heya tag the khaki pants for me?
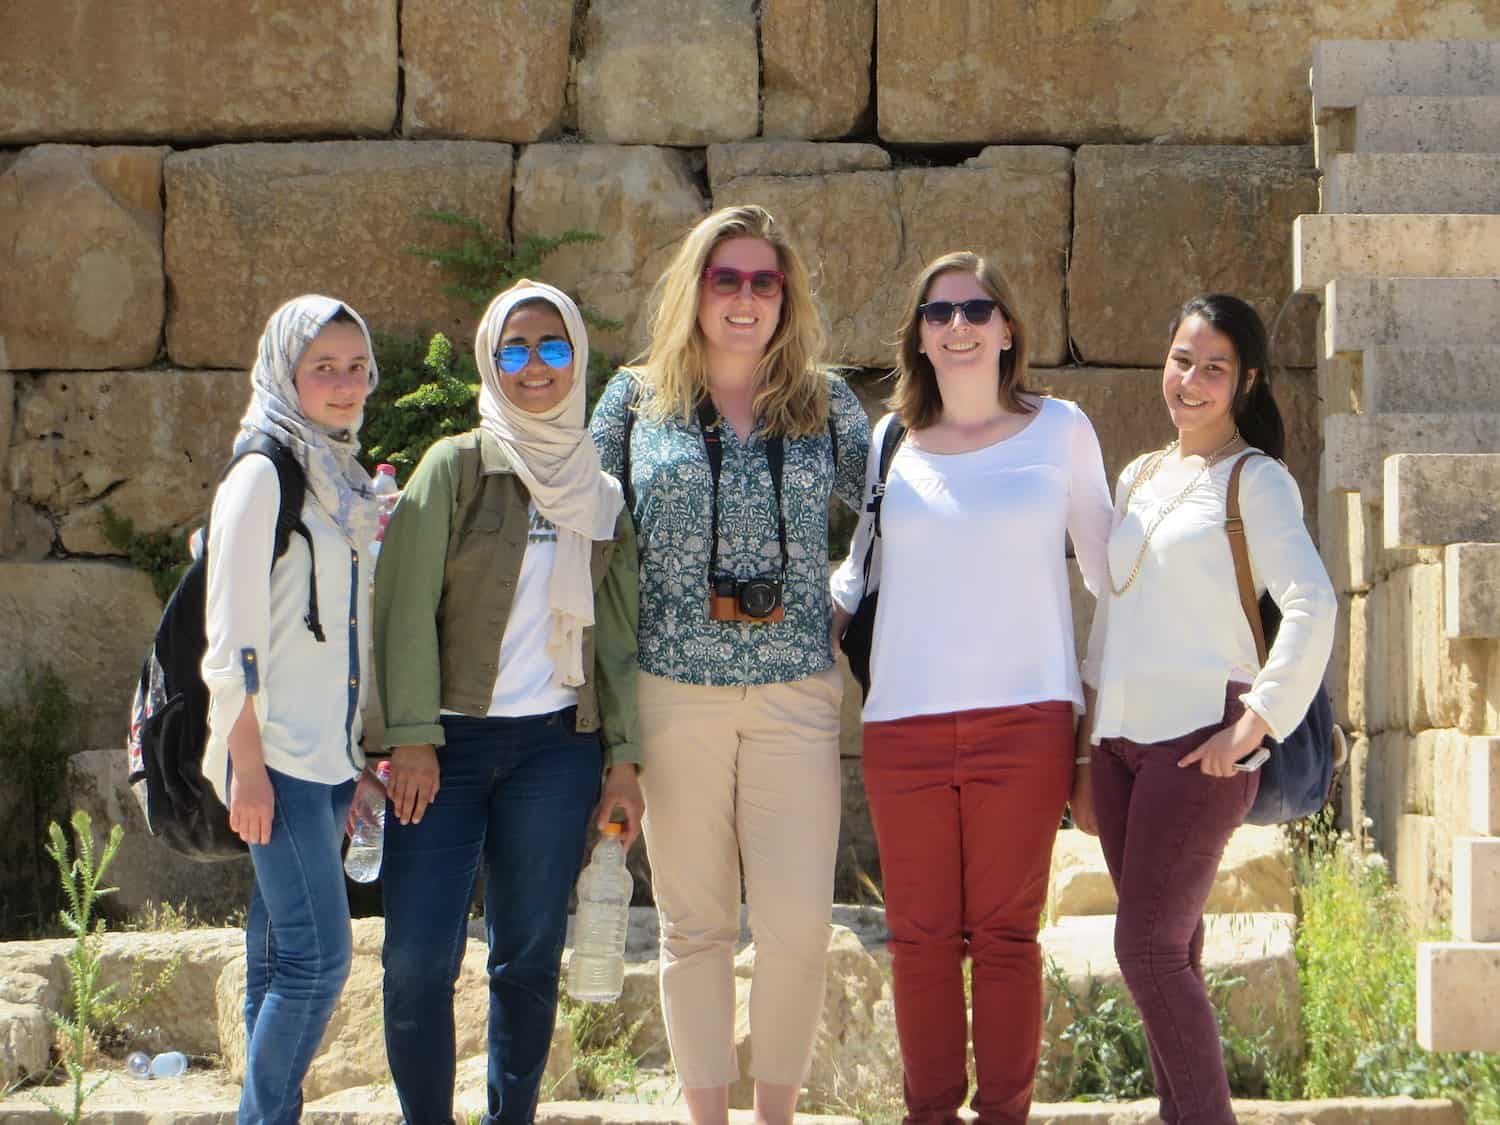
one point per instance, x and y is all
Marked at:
(742, 774)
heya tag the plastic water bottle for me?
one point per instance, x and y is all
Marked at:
(367, 844)
(597, 970)
(169, 1064)
(138, 1063)
(386, 495)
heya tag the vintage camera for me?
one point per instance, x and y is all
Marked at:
(756, 600)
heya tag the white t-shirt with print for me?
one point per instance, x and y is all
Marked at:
(524, 684)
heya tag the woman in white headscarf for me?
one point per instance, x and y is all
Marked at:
(505, 613)
(285, 678)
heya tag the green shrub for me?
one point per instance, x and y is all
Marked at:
(163, 555)
(602, 1058)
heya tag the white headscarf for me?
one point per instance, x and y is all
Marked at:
(335, 478)
(555, 458)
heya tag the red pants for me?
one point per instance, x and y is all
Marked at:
(966, 807)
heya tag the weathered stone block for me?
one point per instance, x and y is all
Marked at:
(1456, 985)
(1346, 666)
(138, 69)
(147, 444)
(1428, 124)
(80, 256)
(638, 86)
(1332, 246)
(1484, 785)
(866, 235)
(790, 158)
(1349, 541)
(7, 425)
(1355, 446)
(1471, 589)
(1416, 677)
(815, 56)
(249, 226)
(1434, 183)
(25, 1042)
(92, 622)
(642, 200)
(1409, 312)
(1476, 889)
(515, 95)
(1185, 216)
(1429, 380)
(1435, 499)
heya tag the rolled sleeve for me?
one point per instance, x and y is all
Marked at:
(616, 666)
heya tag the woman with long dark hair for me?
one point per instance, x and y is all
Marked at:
(1179, 700)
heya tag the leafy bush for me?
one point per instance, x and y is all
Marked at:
(163, 555)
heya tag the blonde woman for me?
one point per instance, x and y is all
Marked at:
(731, 439)
(968, 727)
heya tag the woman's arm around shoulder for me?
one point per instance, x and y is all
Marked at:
(608, 423)
(847, 585)
(1090, 511)
(852, 425)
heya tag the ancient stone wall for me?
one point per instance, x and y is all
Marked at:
(170, 172)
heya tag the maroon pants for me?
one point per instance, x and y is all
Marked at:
(966, 808)
(1164, 830)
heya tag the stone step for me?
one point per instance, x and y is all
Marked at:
(1484, 785)
(1347, 72)
(1457, 983)
(1397, 183)
(1429, 380)
(1471, 591)
(1430, 498)
(1410, 312)
(1476, 888)
(1428, 124)
(1355, 446)
(1325, 247)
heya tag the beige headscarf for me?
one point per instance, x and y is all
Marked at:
(555, 458)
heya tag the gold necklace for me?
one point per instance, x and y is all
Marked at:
(1148, 471)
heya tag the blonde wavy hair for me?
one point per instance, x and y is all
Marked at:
(916, 399)
(791, 385)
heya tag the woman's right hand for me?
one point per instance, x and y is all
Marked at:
(841, 619)
(252, 804)
(413, 782)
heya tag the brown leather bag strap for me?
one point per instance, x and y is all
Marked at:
(1234, 527)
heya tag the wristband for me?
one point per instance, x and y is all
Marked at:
(1083, 761)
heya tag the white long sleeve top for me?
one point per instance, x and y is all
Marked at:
(1162, 653)
(972, 570)
(308, 696)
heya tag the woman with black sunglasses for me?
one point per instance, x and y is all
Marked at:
(505, 641)
(974, 684)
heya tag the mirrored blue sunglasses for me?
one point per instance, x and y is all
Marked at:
(511, 358)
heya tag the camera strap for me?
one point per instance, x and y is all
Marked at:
(709, 423)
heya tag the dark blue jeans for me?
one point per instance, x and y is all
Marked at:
(516, 794)
(298, 945)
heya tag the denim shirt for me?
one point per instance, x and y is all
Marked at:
(672, 485)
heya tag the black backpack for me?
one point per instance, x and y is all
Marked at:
(169, 718)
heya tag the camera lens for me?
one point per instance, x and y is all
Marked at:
(759, 597)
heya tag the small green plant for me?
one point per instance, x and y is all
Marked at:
(1108, 1060)
(161, 554)
(602, 1058)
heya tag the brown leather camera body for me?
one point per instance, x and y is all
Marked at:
(726, 607)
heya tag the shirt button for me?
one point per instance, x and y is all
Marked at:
(354, 681)
(354, 555)
(353, 621)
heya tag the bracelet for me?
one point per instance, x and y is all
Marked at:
(1082, 761)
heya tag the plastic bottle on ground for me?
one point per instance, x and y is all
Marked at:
(367, 844)
(169, 1064)
(597, 969)
(138, 1063)
(386, 494)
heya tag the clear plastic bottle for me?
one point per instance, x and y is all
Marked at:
(597, 969)
(367, 843)
(169, 1064)
(138, 1063)
(386, 494)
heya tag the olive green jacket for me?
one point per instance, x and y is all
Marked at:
(446, 576)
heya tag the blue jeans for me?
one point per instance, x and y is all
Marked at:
(298, 944)
(516, 793)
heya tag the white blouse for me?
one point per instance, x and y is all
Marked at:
(971, 564)
(308, 696)
(1162, 653)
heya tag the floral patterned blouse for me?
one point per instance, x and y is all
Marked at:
(670, 477)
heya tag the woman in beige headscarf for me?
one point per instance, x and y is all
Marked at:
(505, 614)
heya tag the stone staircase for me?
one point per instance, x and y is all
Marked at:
(1406, 257)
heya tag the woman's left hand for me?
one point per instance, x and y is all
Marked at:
(1216, 756)
(622, 790)
(368, 786)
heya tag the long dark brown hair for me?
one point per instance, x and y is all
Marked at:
(1254, 408)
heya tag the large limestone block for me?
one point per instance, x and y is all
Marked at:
(1345, 677)
(1409, 312)
(815, 57)
(515, 95)
(643, 201)
(1349, 541)
(7, 425)
(352, 1051)
(1456, 987)
(1433, 499)
(1428, 380)
(1255, 876)
(1182, 217)
(1417, 677)
(377, 1103)
(791, 158)
(92, 621)
(25, 1041)
(1331, 246)
(145, 872)
(150, 445)
(1428, 124)
(1471, 589)
(249, 226)
(1476, 888)
(1410, 183)
(866, 236)
(80, 256)
(1355, 446)
(695, 86)
(132, 69)
(1484, 785)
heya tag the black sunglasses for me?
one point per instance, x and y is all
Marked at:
(976, 310)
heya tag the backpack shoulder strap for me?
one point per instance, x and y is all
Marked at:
(1234, 527)
(889, 443)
